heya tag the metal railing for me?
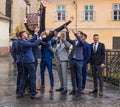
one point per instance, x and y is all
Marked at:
(112, 71)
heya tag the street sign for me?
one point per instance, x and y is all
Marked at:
(33, 18)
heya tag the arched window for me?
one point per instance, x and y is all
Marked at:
(8, 8)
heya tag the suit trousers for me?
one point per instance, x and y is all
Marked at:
(46, 62)
(84, 75)
(62, 73)
(19, 76)
(76, 74)
(97, 74)
(29, 69)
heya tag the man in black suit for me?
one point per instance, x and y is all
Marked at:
(97, 62)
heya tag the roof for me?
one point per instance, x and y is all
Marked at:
(2, 16)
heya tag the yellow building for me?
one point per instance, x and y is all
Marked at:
(4, 34)
(91, 16)
(16, 11)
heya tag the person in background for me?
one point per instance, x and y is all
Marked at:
(87, 55)
(18, 53)
(97, 62)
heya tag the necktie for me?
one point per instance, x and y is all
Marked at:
(94, 48)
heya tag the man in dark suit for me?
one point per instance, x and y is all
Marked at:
(97, 62)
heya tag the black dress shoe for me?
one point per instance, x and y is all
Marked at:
(101, 93)
(94, 91)
(78, 94)
(73, 92)
(64, 92)
(60, 89)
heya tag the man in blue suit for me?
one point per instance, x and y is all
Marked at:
(46, 61)
(18, 54)
(28, 61)
(76, 63)
(87, 55)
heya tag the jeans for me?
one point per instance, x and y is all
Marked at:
(46, 62)
(76, 74)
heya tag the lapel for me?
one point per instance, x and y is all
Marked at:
(98, 47)
(92, 47)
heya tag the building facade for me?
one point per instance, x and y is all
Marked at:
(91, 16)
(16, 11)
(4, 34)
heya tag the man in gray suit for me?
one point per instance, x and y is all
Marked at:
(61, 53)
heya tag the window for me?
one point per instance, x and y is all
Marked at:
(61, 12)
(116, 42)
(116, 12)
(89, 13)
(8, 8)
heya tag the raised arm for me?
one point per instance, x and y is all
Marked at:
(31, 44)
(67, 44)
(78, 38)
(53, 33)
(42, 17)
(26, 26)
(65, 24)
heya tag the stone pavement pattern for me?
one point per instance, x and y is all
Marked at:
(111, 96)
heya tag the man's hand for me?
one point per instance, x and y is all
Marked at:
(73, 31)
(102, 65)
(25, 19)
(71, 18)
(43, 3)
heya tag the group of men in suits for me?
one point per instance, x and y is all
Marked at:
(28, 52)
(81, 54)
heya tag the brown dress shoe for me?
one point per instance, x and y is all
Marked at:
(37, 96)
(42, 88)
(83, 91)
(51, 90)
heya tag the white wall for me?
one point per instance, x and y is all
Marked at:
(4, 33)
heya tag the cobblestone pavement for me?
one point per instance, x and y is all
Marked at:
(111, 96)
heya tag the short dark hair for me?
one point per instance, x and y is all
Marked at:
(17, 34)
(81, 32)
(95, 35)
(85, 35)
(21, 33)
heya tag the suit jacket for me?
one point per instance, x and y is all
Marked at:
(87, 52)
(61, 51)
(17, 51)
(98, 57)
(27, 53)
(36, 50)
(45, 49)
(77, 50)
